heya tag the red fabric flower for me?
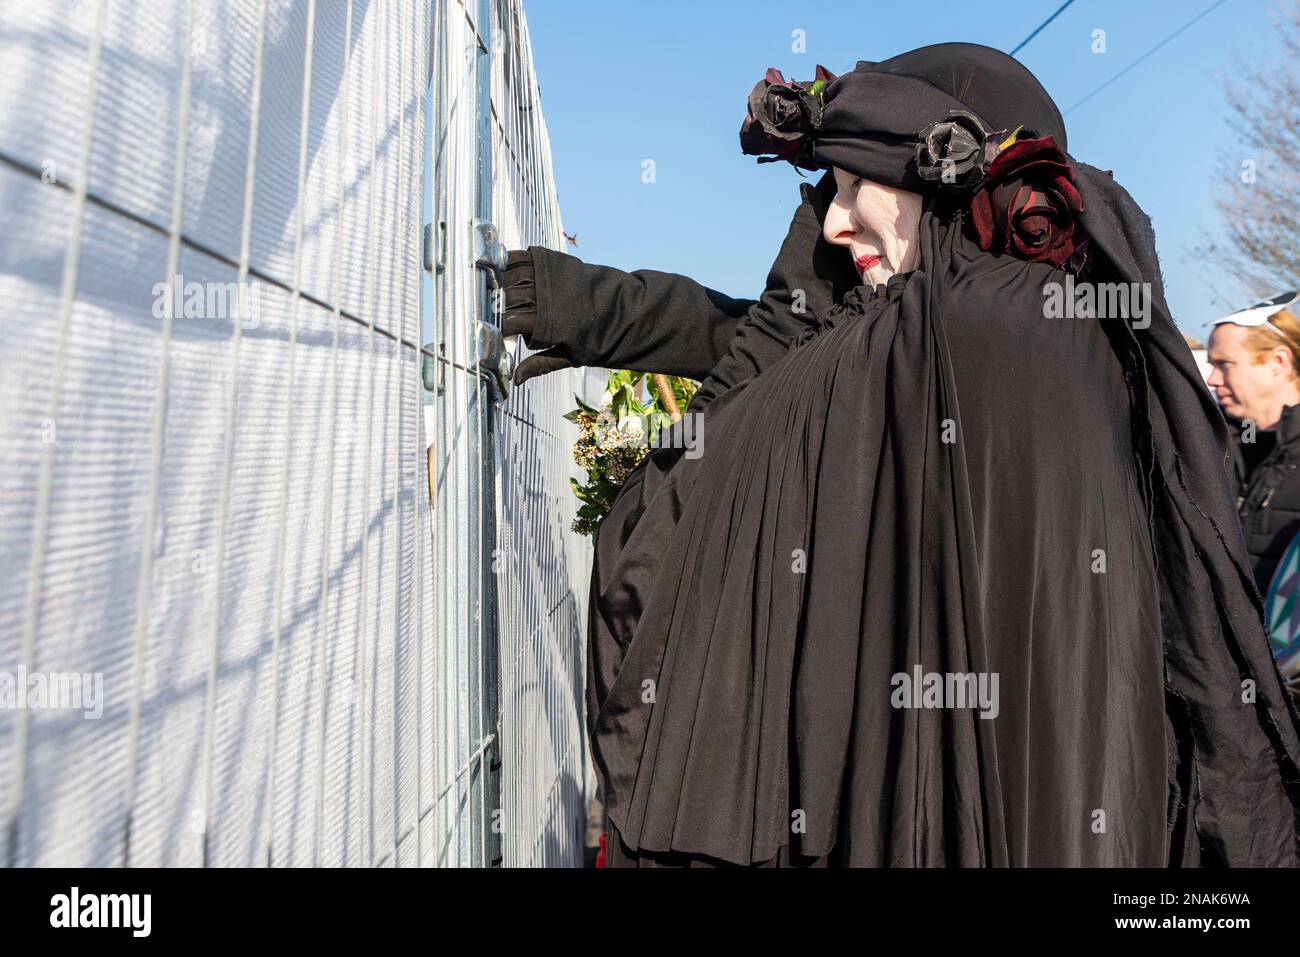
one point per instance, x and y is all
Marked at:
(1028, 205)
(600, 856)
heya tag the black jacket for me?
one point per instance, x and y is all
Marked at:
(1268, 498)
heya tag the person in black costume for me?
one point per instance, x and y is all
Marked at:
(924, 476)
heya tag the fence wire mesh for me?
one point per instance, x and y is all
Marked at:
(214, 490)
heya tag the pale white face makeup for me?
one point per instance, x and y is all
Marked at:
(880, 226)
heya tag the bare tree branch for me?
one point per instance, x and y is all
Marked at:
(1259, 240)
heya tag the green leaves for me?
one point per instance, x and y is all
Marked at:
(616, 436)
(580, 410)
(583, 493)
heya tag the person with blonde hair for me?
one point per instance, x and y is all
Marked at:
(1254, 356)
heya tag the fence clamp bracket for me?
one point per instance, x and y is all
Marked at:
(489, 251)
(433, 367)
(433, 247)
(495, 360)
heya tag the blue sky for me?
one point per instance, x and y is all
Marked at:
(607, 68)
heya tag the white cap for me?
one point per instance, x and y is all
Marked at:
(1260, 313)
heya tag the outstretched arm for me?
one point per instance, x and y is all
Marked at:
(646, 320)
(650, 321)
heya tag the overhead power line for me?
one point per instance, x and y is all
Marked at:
(1126, 69)
(1039, 28)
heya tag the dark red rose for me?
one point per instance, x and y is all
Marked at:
(1028, 205)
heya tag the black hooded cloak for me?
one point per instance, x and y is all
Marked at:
(935, 478)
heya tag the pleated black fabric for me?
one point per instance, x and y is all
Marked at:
(928, 482)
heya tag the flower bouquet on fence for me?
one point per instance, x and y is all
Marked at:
(616, 435)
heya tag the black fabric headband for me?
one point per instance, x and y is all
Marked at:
(897, 120)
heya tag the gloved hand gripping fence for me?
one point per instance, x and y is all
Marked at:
(520, 317)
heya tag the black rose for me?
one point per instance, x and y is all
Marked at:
(957, 150)
(783, 116)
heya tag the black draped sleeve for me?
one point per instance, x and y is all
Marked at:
(653, 321)
(645, 320)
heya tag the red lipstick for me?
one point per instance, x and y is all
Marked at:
(866, 262)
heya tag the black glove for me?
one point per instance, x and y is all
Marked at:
(519, 317)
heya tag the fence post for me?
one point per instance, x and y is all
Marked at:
(485, 284)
